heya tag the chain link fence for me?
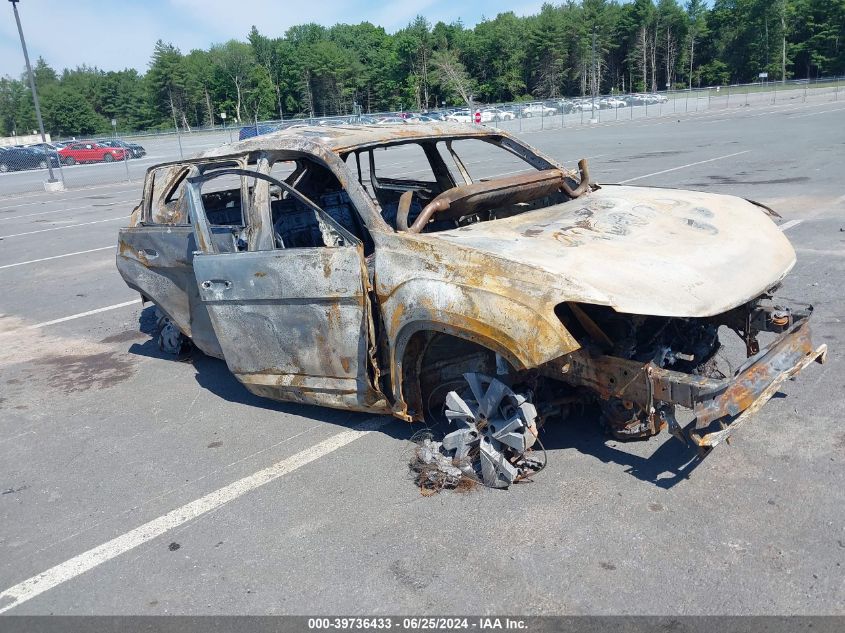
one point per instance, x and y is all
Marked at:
(124, 158)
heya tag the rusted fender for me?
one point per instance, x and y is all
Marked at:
(424, 285)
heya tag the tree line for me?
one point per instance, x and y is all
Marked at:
(575, 48)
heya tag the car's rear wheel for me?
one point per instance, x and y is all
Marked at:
(4, 167)
(170, 338)
(42, 164)
(108, 158)
(70, 160)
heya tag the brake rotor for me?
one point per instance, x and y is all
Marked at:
(496, 428)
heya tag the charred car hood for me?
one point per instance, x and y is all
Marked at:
(662, 252)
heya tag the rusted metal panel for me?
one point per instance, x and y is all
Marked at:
(343, 138)
(503, 304)
(761, 397)
(468, 199)
(729, 401)
(790, 353)
(292, 321)
(641, 383)
(157, 262)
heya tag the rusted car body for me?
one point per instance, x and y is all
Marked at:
(327, 274)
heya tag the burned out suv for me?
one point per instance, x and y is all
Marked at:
(451, 272)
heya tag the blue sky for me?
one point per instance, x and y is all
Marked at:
(117, 34)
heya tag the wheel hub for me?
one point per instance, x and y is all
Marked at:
(496, 428)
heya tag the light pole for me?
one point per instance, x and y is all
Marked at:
(52, 178)
(595, 81)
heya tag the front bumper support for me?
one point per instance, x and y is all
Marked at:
(727, 402)
(754, 384)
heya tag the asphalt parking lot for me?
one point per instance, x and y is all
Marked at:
(136, 484)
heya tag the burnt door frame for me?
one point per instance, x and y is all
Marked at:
(294, 323)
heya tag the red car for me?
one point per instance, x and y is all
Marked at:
(90, 153)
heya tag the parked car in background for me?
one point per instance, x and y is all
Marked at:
(496, 114)
(390, 120)
(91, 153)
(460, 116)
(585, 105)
(611, 103)
(564, 105)
(649, 98)
(135, 150)
(50, 148)
(537, 109)
(19, 158)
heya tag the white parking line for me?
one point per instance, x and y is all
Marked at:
(72, 317)
(700, 162)
(67, 226)
(78, 565)
(82, 190)
(826, 252)
(788, 225)
(83, 314)
(801, 116)
(44, 259)
(92, 205)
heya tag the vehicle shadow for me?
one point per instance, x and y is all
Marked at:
(213, 375)
(670, 464)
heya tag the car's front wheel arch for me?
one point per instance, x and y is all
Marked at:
(432, 363)
(431, 355)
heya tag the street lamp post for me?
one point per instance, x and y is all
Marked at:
(594, 82)
(52, 178)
